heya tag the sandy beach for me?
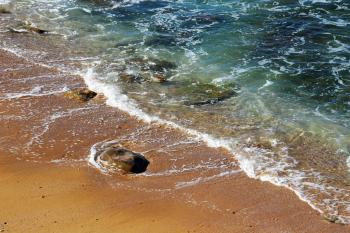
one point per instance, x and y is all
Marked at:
(47, 184)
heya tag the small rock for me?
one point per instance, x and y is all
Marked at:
(36, 30)
(159, 78)
(131, 78)
(116, 157)
(161, 65)
(331, 218)
(152, 64)
(207, 19)
(199, 94)
(161, 41)
(82, 94)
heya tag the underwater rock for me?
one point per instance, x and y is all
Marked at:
(159, 78)
(161, 41)
(207, 19)
(131, 78)
(36, 30)
(198, 94)
(104, 3)
(82, 94)
(117, 157)
(160, 28)
(156, 65)
(152, 64)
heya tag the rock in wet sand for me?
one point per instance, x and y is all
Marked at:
(82, 94)
(117, 157)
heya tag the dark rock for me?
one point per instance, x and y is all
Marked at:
(161, 41)
(36, 30)
(161, 28)
(131, 78)
(207, 19)
(331, 218)
(159, 78)
(156, 65)
(116, 157)
(152, 64)
(203, 93)
(82, 94)
(105, 3)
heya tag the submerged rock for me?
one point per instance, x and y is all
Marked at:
(82, 94)
(161, 41)
(159, 78)
(131, 78)
(207, 19)
(147, 70)
(198, 94)
(104, 3)
(36, 30)
(152, 64)
(116, 157)
(156, 65)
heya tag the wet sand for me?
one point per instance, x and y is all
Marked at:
(47, 184)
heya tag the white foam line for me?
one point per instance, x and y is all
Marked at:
(19, 53)
(50, 120)
(200, 180)
(33, 93)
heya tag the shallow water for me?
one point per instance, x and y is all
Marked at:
(267, 79)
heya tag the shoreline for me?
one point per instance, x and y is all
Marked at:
(61, 132)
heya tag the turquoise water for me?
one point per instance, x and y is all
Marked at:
(272, 78)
